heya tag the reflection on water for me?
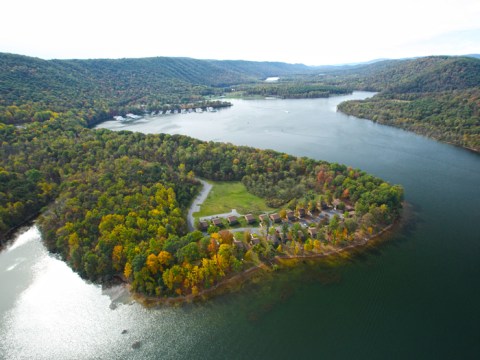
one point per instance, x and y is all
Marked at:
(414, 296)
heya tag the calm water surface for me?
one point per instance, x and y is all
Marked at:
(416, 296)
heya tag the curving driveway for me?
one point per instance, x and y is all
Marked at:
(195, 207)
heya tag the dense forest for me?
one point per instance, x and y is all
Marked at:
(291, 89)
(113, 204)
(33, 89)
(435, 96)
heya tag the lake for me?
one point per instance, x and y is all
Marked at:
(415, 295)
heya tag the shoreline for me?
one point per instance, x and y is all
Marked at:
(434, 138)
(237, 280)
(9, 234)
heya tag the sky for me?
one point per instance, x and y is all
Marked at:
(312, 32)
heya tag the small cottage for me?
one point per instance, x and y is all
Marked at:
(203, 225)
(290, 215)
(238, 244)
(254, 239)
(249, 218)
(232, 220)
(275, 218)
(263, 217)
(217, 222)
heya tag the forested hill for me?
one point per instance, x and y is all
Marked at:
(261, 70)
(426, 74)
(193, 71)
(103, 87)
(434, 96)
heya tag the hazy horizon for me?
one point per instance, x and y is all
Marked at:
(269, 61)
(324, 34)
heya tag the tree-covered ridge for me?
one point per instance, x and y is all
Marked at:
(427, 74)
(436, 96)
(101, 88)
(447, 75)
(114, 203)
(451, 116)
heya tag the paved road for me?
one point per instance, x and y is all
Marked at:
(197, 202)
(234, 212)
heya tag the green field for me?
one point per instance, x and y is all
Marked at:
(226, 196)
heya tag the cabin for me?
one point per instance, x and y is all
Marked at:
(232, 220)
(290, 215)
(249, 218)
(275, 218)
(203, 225)
(254, 239)
(263, 217)
(312, 232)
(217, 222)
(301, 213)
(349, 208)
(238, 243)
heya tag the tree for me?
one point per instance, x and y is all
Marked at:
(226, 237)
(334, 222)
(91, 262)
(117, 257)
(138, 262)
(164, 258)
(188, 253)
(153, 264)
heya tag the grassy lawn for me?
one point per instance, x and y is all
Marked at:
(226, 196)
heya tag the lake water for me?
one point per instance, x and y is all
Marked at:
(415, 296)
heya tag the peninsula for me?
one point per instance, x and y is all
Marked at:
(114, 204)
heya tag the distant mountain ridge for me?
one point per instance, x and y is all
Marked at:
(188, 70)
(426, 74)
(123, 82)
(113, 78)
(435, 95)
